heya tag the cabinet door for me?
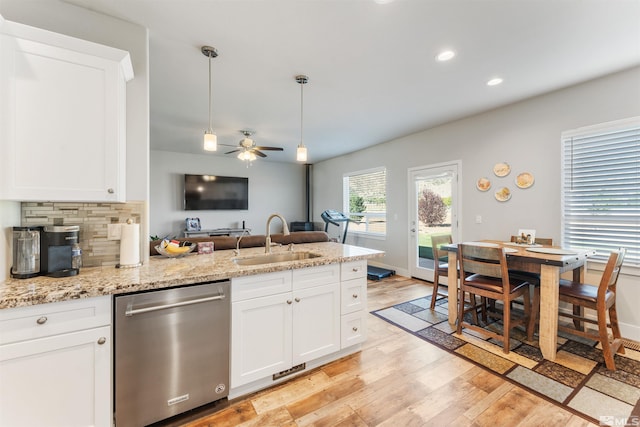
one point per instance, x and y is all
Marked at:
(62, 117)
(316, 322)
(260, 338)
(62, 380)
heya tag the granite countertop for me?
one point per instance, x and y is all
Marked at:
(161, 272)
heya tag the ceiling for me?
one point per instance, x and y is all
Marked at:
(372, 71)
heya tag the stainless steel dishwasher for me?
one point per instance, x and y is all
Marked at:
(171, 351)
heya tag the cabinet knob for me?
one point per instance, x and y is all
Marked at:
(356, 269)
(297, 299)
(355, 295)
(42, 320)
(355, 329)
(102, 340)
(110, 190)
(289, 301)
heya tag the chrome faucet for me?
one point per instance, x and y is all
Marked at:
(285, 228)
(245, 231)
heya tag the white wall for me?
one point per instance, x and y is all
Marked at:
(526, 135)
(273, 188)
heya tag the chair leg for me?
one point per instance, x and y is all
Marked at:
(460, 310)
(604, 341)
(617, 338)
(474, 308)
(506, 322)
(434, 296)
(578, 311)
(535, 310)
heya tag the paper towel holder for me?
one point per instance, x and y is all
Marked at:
(136, 241)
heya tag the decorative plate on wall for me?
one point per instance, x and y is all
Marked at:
(503, 194)
(501, 169)
(524, 180)
(483, 184)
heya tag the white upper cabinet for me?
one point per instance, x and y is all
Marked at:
(62, 117)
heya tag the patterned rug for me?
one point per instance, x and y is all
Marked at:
(577, 380)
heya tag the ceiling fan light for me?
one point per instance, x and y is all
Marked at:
(301, 153)
(210, 141)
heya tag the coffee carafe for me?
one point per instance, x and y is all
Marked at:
(26, 252)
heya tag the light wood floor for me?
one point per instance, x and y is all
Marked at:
(396, 380)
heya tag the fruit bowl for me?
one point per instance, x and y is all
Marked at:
(169, 254)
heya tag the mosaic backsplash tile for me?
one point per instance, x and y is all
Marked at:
(92, 218)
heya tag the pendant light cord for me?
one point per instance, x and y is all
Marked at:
(301, 112)
(210, 129)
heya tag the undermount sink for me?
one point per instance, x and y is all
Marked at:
(277, 257)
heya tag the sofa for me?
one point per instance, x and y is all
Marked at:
(250, 241)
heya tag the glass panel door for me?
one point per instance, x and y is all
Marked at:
(433, 193)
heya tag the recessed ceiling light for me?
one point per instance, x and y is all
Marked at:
(383, 1)
(445, 55)
(495, 81)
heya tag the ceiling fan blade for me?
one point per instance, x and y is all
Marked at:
(232, 151)
(270, 148)
(228, 145)
(259, 153)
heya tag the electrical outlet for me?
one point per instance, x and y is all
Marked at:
(478, 219)
(114, 231)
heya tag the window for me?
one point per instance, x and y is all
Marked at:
(601, 188)
(365, 201)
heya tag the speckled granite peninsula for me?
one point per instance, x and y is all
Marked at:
(161, 272)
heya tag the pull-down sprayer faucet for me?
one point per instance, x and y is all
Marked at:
(285, 231)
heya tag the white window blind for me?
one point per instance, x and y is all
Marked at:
(601, 189)
(365, 201)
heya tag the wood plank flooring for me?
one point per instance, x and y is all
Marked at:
(396, 380)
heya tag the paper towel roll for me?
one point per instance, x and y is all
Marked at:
(130, 245)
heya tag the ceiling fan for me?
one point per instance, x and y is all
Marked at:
(248, 146)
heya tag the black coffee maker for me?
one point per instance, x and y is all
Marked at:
(57, 243)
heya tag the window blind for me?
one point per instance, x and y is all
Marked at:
(601, 189)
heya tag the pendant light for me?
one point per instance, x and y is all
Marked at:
(301, 152)
(210, 138)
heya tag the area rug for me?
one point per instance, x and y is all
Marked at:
(577, 380)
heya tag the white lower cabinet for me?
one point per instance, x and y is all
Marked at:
(299, 323)
(353, 303)
(57, 379)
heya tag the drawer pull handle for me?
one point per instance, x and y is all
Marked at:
(102, 340)
(355, 295)
(297, 299)
(355, 329)
(42, 320)
(289, 301)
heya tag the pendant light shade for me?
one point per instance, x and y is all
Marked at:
(301, 152)
(210, 138)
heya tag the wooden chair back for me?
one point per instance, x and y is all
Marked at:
(436, 242)
(546, 241)
(611, 272)
(483, 260)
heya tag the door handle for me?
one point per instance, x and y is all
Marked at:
(413, 230)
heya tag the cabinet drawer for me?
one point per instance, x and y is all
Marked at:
(37, 321)
(353, 295)
(315, 276)
(353, 329)
(353, 269)
(260, 285)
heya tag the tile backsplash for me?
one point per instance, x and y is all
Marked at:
(92, 218)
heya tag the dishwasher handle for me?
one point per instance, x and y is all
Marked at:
(131, 311)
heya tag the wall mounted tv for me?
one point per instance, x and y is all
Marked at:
(214, 192)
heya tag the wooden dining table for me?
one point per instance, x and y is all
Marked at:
(549, 262)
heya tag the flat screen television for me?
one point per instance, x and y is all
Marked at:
(214, 192)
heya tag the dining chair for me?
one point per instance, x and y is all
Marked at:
(484, 273)
(602, 299)
(534, 282)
